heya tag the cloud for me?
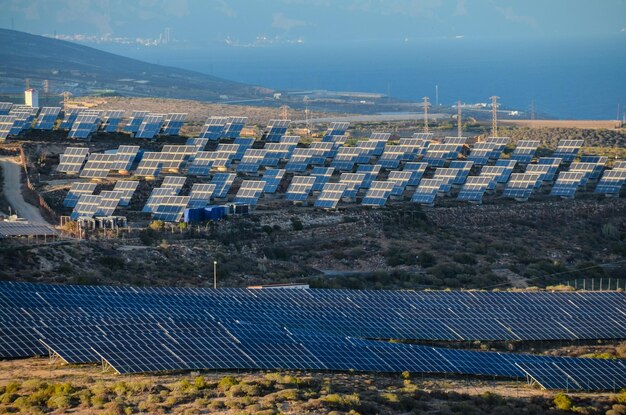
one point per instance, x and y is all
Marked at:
(280, 21)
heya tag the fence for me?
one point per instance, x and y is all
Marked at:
(40, 200)
(597, 284)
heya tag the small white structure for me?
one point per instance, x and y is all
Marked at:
(31, 97)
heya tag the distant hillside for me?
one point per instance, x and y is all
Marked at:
(84, 70)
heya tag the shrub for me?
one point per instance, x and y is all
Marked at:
(563, 402)
(296, 224)
(226, 383)
(60, 402)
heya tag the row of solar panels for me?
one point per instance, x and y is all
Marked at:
(166, 202)
(81, 123)
(138, 330)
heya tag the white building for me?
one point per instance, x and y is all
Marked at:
(31, 98)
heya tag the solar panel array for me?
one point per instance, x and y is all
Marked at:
(150, 126)
(249, 192)
(143, 330)
(76, 191)
(111, 120)
(172, 123)
(6, 124)
(47, 117)
(72, 159)
(85, 124)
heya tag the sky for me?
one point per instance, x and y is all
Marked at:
(319, 21)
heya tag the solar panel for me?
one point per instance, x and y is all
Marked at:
(199, 142)
(5, 107)
(251, 160)
(6, 123)
(394, 154)
(495, 173)
(525, 151)
(86, 206)
(84, 125)
(474, 189)
(174, 182)
(150, 126)
(450, 177)
(322, 176)
(379, 192)
(155, 198)
(481, 153)
(319, 151)
(135, 120)
(233, 127)
(330, 195)
(568, 149)
(423, 136)
(454, 140)
(593, 170)
(427, 191)
(300, 160)
(334, 129)
(275, 130)
(19, 228)
(249, 192)
(300, 188)
(275, 152)
(346, 158)
(200, 195)
(202, 163)
(111, 120)
(127, 189)
(567, 183)
(521, 185)
(99, 165)
(172, 123)
(354, 182)
(150, 164)
(465, 166)
(370, 171)
(222, 182)
(437, 155)
(577, 374)
(508, 165)
(69, 116)
(272, 178)
(170, 208)
(401, 180)
(418, 170)
(20, 121)
(594, 159)
(171, 157)
(76, 190)
(244, 144)
(126, 156)
(611, 182)
(619, 165)
(47, 117)
(108, 203)
(72, 159)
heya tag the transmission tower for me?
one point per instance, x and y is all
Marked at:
(494, 116)
(426, 104)
(66, 99)
(459, 121)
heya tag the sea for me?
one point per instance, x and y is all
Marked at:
(569, 78)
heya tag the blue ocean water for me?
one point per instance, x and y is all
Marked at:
(568, 78)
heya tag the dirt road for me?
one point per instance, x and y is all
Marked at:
(12, 191)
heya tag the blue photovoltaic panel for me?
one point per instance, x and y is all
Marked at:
(174, 182)
(474, 188)
(127, 189)
(72, 159)
(199, 142)
(170, 208)
(593, 170)
(481, 152)
(499, 144)
(611, 182)
(109, 200)
(200, 195)
(322, 176)
(47, 117)
(275, 130)
(299, 188)
(354, 182)
(84, 125)
(525, 151)
(417, 169)
(427, 191)
(378, 193)
(437, 155)
(495, 173)
(335, 129)
(330, 195)
(450, 177)
(233, 127)
(155, 197)
(509, 165)
(213, 128)
(69, 117)
(135, 120)
(222, 182)
(149, 126)
(401, 180)
(249, 192)
(78, 189)
(567, 183)
(272, 178)
(370, 171)
(172, 123)
(346, 158)
(244, 143)
(251, 161)
(111, 120)
(521, 185)
(568, 149)
(319, 151)
(5, 107)
(465, 166)
(20, 121)
(86, 206)
(300, 160)
(6, 123)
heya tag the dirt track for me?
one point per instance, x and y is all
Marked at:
(13, 193)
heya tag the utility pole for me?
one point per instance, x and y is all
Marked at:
(437, 95)
(284, 112)
(426, 104)
(459, 121)
(494, 116)
(214, 274)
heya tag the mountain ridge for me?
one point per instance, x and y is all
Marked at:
(83, 70)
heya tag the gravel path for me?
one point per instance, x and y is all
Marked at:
(13, 193)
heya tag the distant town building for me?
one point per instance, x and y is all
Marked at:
(31, 97)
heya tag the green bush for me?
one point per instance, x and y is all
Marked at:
(563, 402)
(296, 224)
(226, 383)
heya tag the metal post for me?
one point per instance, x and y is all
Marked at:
(593, 284)
(214, 274)
(600, 284)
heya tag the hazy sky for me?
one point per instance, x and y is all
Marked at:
(318, 21)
